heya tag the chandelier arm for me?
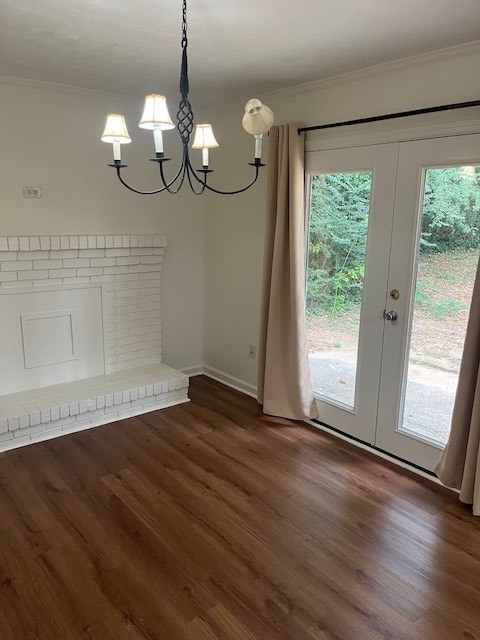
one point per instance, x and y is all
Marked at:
(232, 193)
(182, 170)
(204, 184)
(142, 193)
(166, 184)
(191, 172)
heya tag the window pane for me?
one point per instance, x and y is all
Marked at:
(338, 223)
(448, 257)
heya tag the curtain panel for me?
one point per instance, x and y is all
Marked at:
(459, 467)
(284, 386)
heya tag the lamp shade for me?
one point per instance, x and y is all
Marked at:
(155, 114)
(116, 129)
(258, 118)
(204, 138)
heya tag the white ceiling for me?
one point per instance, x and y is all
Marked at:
(237, 48)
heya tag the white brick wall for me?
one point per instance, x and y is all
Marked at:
(129, 268)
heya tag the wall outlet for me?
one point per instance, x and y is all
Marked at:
(32, 192)
(252, 350)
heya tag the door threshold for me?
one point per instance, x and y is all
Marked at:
(400, 462)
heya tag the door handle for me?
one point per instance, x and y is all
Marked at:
(390, 315)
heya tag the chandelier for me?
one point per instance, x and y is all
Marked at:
(257, 120)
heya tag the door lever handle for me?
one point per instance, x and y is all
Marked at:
(390, 315)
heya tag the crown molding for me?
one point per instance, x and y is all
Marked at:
(401, 64)
(365, 73)
(53, 86)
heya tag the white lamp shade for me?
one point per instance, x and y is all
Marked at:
(258, 118)
(204, 138)
(155, 114)
(116, 129)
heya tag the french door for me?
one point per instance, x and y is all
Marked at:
(393, 249)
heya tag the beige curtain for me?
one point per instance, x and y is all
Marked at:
(284, 386)
(459, 466)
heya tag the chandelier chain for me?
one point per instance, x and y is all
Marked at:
(184, 41)
(185, 119)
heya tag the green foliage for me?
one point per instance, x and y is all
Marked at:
(339, 206)
(446, 308)
(421, 293)
(451, 210)
(440, 309)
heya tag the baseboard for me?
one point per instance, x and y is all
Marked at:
(230, 381)
(195, 370)
(221, 376)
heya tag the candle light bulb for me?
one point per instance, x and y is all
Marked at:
(205, 156)
(258, 146)
(158, 140)
(117, 154)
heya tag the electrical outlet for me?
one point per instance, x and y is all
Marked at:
(32, 192)
(252, 350)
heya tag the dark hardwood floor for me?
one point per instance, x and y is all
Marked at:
(203, 522)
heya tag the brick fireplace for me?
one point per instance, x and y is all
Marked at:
(80, 343)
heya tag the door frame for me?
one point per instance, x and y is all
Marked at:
(396, 443)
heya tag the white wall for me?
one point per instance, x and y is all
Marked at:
(234, 228)
(50, 137)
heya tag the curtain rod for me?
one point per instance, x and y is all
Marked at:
(391, 116)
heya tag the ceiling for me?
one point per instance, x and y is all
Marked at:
(237, 48)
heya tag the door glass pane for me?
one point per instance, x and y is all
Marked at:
(338, 223)
(447, 262)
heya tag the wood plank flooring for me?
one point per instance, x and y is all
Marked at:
(204, 522)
